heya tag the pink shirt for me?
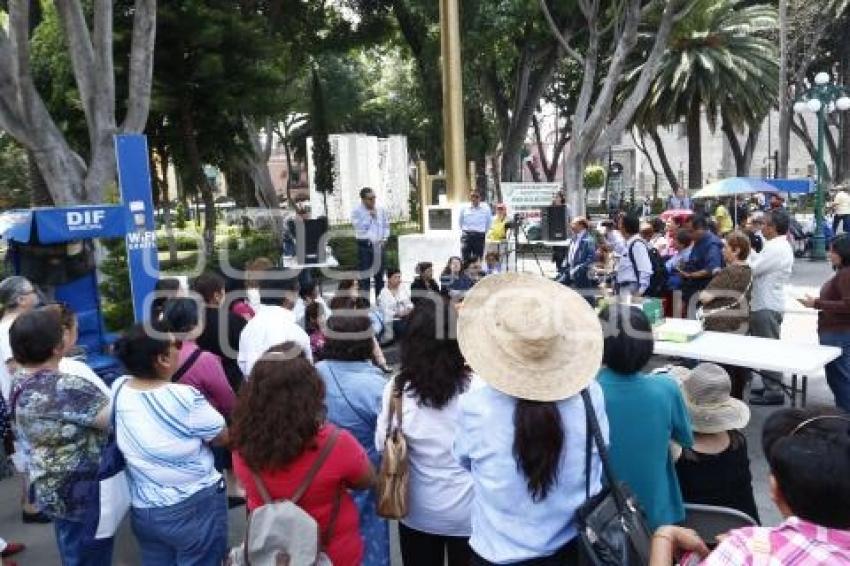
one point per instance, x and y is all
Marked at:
(243, 309)
(795, 542)
(208, 377)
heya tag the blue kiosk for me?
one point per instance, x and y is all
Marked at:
(54, 248)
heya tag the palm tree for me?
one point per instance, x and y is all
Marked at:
(720, 61)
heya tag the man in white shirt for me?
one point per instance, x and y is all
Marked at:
(372, 230)
(634, 268)
(841, 212)
(273, 324)
(771, 272)
(475, 219)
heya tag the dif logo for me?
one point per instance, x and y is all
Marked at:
(85, 219)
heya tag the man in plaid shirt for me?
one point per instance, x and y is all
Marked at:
(809, 456)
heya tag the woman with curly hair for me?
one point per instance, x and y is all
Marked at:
(433, 378)
(278, 432)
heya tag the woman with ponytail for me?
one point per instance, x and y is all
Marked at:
(645, 412)
(523, 436)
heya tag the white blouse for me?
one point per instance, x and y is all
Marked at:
(394, 305)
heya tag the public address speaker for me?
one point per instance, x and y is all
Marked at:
(553, 222)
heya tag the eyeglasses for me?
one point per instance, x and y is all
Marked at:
(807, 422)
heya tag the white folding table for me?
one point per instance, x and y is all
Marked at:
(760, 354)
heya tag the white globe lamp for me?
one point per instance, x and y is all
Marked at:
(843, 103)
(821, 78)
(814, 105)
(800, 107)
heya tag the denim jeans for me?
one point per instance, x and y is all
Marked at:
(368, 265)
(838, 370)
(192, 532)
(73, 552)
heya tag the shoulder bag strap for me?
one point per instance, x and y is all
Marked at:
(187, 365)
(603, 450)
(345, 397)
(632, 259)
(261, 488)
(588, 450)
(314, 469)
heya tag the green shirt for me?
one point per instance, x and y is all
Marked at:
(645, 412)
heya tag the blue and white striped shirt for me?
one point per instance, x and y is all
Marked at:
(163, 434)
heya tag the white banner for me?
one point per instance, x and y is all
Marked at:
(528, 198)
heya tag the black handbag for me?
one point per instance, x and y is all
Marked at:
(612, 528)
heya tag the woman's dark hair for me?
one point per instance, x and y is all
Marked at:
(346, 284)
(684, 237)
(166, 288)
(423, 266)
(306, 291)
(740, 242)
(841, 246)
(392, 271)
(349, 338)
(311, 316)
(538, 442)
(137, 351)
(700, 222)
(35, 335)
(207, 284)
(810, 460)
(447, 270)
(280, 410)
(469, 261)
(67, 317)
(630, 224)
(659, 226)
(181, 315)
(432, 367)
(628, 339)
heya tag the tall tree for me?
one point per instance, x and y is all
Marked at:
(70, 177)
(323, 158)
(611, 33)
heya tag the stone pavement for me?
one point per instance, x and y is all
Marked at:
(799, 325)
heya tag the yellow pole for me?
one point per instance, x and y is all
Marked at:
(453, 136)
(424, 180)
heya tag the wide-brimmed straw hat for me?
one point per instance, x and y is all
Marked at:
(530, 337)
(712, 408)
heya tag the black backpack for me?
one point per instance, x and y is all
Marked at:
(658, 280)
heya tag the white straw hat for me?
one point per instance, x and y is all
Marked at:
(711, 406)
(530, 337)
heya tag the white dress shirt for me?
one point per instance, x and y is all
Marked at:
(771, 272)
(476, 218)
(270, 326)
(368, 227)
(394, 305)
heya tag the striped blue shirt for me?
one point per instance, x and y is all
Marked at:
(163, 434)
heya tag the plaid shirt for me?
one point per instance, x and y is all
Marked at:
(793, 543)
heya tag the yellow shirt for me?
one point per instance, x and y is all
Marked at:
(498, 229)
(724, 221)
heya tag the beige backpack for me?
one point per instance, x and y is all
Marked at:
(280, 533)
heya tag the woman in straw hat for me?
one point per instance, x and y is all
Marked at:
(536, 345)
(645, 413)
(716, 469)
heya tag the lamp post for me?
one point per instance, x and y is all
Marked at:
(823, 98)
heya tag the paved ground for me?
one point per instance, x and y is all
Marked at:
(799, 325)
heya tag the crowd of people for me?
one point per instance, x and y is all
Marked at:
(247, 395)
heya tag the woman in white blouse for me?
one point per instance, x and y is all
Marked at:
(432, 379)
(395, 304)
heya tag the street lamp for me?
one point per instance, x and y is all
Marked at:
(823, 98)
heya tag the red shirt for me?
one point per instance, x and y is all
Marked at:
(346, 464)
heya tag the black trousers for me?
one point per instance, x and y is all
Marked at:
(472, 245)
(368, 265)
(424, 549)
(567, 555)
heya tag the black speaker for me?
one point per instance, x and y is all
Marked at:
(312, 252)
(553, 222)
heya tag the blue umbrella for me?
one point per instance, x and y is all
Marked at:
(735, 186)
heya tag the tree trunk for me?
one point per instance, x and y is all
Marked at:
(510, 171)
(197, 175)
(160, 171)
(497, 182)
(258, 164)
(784, 110)
(40, 195)
(574, 181)
(694, 146)
(641, 145)
(662, 157)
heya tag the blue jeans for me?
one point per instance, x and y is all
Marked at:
(73, 552)
(838, 370)
(368, 265)
(192, 532)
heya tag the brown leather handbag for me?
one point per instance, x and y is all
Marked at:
(394, 474)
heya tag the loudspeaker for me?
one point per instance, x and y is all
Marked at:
(553, 222)
(312, 252)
